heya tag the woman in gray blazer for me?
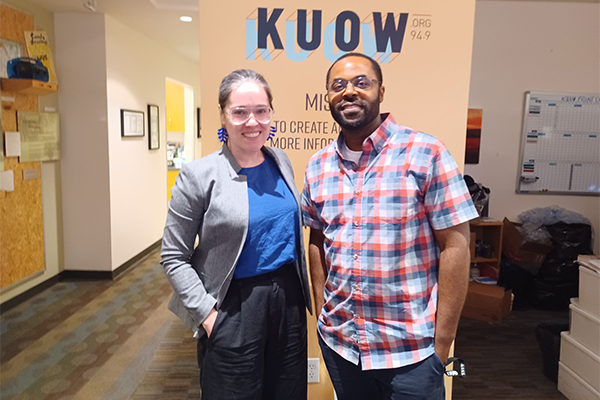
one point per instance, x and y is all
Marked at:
(244, 288)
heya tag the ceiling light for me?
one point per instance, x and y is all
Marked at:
(186, 18)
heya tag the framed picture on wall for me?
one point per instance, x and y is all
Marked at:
(153, 127)
(132, 123)
(198, 122)
(473, 143)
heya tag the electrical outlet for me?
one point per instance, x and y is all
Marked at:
(313, 370)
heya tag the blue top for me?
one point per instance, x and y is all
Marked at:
(271, 241)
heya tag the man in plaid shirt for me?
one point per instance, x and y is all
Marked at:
(389, 245)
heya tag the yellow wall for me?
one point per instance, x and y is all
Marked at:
(175, 108)
(171, 177)
(427, 82)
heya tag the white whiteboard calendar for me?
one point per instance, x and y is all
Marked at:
(560, 151)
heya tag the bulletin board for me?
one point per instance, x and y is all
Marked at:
(21, 218)
(560, 149)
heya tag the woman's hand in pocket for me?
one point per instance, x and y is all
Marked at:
(209, 323)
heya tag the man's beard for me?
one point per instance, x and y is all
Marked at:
(369, 111)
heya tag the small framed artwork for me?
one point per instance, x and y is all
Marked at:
(198, 122)
(132, 123)
(153, 127)
(473, 144)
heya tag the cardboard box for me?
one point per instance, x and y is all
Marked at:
(489, 303)
(488, 271)
(520, 251)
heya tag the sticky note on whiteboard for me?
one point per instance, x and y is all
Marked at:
(7, 181)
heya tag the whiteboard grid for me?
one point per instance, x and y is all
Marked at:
(560, 150)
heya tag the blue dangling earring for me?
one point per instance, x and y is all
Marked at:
(272, 133)
(223, 135)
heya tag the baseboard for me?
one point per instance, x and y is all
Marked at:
(71, 276)
(131, 262)
(77, 276)
(26, 295)
(108, 275)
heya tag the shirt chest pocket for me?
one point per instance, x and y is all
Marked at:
(335, 208)
(397, 199)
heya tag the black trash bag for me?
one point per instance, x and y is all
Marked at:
(479, 194)
(548, 337)
(557, 280)
(556, 283)
(554, 294)
(569, 240)
(520, 281)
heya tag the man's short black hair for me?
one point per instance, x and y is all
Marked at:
(374, 64)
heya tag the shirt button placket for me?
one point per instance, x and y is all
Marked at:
(356, 285)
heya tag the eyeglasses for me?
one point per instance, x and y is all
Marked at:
(240, 115)
(360, 82)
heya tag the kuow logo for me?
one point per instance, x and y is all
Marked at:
(339, 37)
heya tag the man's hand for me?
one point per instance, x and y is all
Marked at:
(453, 281)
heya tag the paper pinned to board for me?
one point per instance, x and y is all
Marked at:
(40, 136)
(12, 144)
(7, 180)
(30, 174)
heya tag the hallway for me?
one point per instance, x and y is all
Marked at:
(99, 340)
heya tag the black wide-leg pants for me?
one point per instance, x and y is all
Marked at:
(257, 348)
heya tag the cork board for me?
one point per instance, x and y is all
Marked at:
(21, 219)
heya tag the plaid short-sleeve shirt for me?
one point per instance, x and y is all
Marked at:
(378, 217)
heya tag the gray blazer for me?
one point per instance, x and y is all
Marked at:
(210, 200)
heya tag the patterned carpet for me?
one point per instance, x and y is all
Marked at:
(113, 340)
(173, 373)
(90, 340)
(504, 361)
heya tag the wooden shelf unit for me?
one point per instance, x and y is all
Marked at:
(484, 260)
(28, 86)
(490, 232)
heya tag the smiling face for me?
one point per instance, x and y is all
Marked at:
(246, 139)
(356, 110)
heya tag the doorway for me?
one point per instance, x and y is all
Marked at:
(180, 129)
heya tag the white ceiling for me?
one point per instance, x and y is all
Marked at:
(156, 19)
